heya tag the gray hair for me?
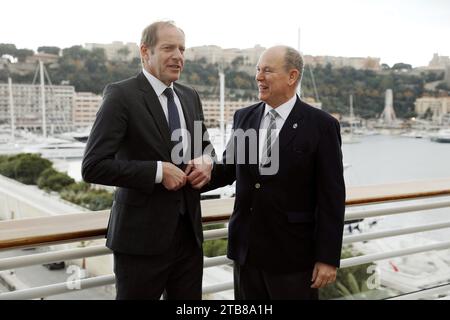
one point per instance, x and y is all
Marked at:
(150, 34)
(294, 60)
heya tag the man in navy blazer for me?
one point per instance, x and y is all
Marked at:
(285, 233)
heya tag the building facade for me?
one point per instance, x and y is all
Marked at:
(215, 54)
(117, 50)
(211, 110)
(368, 63)
(439, 62)
(85, 109)
(438, 106)
(59, 101)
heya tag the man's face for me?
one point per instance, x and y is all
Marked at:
(167, 59)
(272, 78)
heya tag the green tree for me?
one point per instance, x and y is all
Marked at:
(8, 48)
(22, 54)
(7, 167)
(428, 114)
(82, 194)
(50, 179)
(24, 167)
(401, 66)
(217, 247)
(49, 49)
(123, 53)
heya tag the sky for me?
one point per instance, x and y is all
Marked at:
(408, 31)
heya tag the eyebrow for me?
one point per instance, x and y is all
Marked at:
(264, 67)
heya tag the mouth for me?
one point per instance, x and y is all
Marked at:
(174, 67)
(262, 87)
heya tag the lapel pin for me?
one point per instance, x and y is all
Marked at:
(295, 126)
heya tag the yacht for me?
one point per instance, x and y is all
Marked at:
(442, 136)
(52, 148)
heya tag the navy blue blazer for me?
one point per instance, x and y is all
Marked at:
(287, 221)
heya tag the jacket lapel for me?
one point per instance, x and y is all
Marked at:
(255, 123)
(289, 130)
(291, 126)
(154, 107)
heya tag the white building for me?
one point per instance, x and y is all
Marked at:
(368, 63)
(85, 109)
(439, 107)
(439, 62)
(59, 102)
(117, 50)
(215, 54)
(211, 110)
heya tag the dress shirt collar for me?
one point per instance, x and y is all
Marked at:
(284, 109)
(157, 84)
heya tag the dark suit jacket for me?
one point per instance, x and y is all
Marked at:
(129, 136)
(288, 221)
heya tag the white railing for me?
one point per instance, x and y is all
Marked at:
(353, 214)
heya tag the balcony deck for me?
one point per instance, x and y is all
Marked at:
(70, 227)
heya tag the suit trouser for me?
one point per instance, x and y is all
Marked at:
(177, 273)
(252, 283)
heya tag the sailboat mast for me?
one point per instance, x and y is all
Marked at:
(222, 107)
(11, 109)
(352, 116)
(351, 107)
(44, 123)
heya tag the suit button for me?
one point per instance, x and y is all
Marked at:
(257, 185)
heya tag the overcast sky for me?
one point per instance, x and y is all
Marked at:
(407, 31)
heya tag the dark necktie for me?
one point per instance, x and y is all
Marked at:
(174, 124)
(173, 115)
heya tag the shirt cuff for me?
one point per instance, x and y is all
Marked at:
(209, 158)
(159, 172)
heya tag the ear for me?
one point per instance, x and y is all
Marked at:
(293, 76)
(144, 52)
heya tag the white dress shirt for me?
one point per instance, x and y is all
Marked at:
(159, 88)
(283, 112)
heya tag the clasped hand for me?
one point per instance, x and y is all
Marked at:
(197, 173)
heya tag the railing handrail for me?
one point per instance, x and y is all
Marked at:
(63, 228)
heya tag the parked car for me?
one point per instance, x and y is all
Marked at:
(55, 265)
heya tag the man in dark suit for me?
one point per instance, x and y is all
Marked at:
(285, 233)
(140, 142)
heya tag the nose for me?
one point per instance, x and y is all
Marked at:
(178, 54)
(259, 75)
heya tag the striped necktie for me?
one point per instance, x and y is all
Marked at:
(267, 148)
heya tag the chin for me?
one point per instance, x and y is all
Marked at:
(262, 97)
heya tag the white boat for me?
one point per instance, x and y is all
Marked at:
(442, 136)
(413, 272)
(52, 148)
(350, 138)
(81, 135)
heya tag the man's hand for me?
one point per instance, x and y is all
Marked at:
(323, 274)
(173, 177)
(199, 171)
